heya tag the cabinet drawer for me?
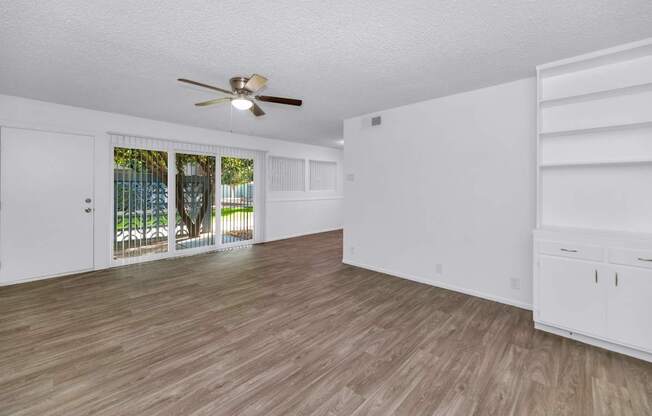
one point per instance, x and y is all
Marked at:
(629, 257)
(572, 250)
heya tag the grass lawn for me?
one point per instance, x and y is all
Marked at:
(230, 211)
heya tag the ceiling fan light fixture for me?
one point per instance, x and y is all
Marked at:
(242, 103)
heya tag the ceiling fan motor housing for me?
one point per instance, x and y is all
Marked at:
(238, 85)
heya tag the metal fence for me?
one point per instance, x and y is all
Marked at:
(140, 214)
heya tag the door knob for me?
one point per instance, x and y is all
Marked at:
(88, 210)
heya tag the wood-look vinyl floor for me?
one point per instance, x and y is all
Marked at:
(285, 328)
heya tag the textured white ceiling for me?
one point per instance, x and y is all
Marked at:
(343, 58)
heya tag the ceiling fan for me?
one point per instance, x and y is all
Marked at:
(242, 94)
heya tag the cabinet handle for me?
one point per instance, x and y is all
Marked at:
(616, 280)
(568, 250)
(596, 276)
(643, 259)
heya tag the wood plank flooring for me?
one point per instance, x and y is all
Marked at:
(285, 328)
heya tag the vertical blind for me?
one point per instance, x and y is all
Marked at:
(287, 174)
(237, 210)
(194, 200)
(140, 199)
(323, 175)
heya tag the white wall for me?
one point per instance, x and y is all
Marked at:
(449, 181)
(302, 213)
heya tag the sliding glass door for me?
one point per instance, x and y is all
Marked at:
(237, 200)
(157, 191)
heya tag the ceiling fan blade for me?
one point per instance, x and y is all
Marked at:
(255, 83)
(256, 110)
(199, 84)
(211, 102)
(279, 100)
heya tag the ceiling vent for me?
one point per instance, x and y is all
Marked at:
(375, 121)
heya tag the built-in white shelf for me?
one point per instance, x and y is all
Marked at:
(598, 129)
(596, 95)
(595, 139)
(595, 163)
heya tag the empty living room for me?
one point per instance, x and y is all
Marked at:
(326, 208)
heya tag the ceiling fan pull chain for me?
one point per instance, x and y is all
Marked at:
(231, 119)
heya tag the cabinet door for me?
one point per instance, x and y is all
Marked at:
(572, 295)
(630, 307)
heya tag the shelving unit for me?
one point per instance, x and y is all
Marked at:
(592, 281)
(595, 111)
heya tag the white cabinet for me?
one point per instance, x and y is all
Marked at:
(630, 306)
(571, 295)
(595, 298)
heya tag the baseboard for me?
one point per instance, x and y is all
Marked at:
(621, 349)
(285, 237)
(36, 278)
(442, 285)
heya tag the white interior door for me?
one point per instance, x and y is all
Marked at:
(46, 211)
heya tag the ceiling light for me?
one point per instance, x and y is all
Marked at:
(242, 103)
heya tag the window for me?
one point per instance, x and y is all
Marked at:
(323, 176)
(287, 174)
